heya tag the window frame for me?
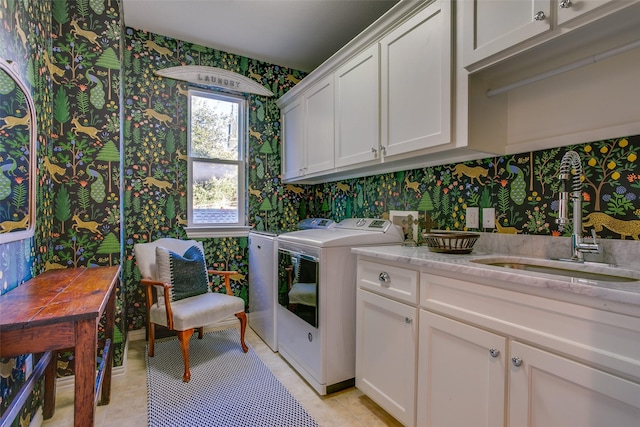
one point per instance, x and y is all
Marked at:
(241, 227)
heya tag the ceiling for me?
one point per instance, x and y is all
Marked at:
(299, 34)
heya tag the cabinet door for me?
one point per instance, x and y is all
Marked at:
(319, 119)
(570, 9)
(461, 374)
(416, 82)
(386, 346)
(293, 147)
(358, 109)
(491, 26)
(550, 390)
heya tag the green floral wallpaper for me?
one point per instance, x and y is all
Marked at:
(523, 189)
(24, 27)
(70, 53)
(82, 163)
(102, 151)
(155, 167)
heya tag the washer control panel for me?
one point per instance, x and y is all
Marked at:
(369, 224)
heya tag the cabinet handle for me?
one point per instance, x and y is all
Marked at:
(383, 150)
(540, 16)
(408, 320)
(494, 352)
(565, 4)
(384, 277)
(516, 361)
(374, 151)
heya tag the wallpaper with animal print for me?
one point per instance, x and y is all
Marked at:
(523, 189)
(70, 53)
(83, 162)
(97, 192)
(155, 167)
(24, 28)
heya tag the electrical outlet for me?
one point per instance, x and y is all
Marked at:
(473, 217)
(488, 218)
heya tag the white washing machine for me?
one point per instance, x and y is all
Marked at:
(263, 257)
(316, 298)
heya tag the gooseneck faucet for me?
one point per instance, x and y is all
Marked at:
(570, 174)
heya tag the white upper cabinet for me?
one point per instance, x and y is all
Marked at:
(319, 135)
(293, 131)
(497, 29)
(570, 9)
(416, 82)
(308, 132)
(419, 87)
(491, 26)
(357, 109)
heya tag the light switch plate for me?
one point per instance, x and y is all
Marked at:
(473, 217)
(488, 218)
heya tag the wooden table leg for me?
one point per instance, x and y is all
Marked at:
(50, 374)
(86, 352)
(110, 315)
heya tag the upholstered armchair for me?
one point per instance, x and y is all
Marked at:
(183, 301)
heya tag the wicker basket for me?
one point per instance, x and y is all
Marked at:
(451, 242)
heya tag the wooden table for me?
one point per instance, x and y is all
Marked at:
(61, 309)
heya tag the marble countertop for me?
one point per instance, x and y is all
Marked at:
(607, 295)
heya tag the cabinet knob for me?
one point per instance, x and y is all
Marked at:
(516, 361)
(540, 16)
(494, 352)
(565, 4)
(374, 151)
(384, 277)
(408, 320)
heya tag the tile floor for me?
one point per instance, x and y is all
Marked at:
(128, 407)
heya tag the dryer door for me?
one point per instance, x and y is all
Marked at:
(298, 284)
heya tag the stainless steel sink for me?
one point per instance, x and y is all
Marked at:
(599, 273)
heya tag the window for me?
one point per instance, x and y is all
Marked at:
(216, 164)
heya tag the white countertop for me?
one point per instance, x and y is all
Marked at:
(607, 295)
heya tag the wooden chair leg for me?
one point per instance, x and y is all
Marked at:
(243, 326)
(200, 332)
(184, 337)
(152, 337)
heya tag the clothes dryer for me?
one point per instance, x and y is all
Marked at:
(316, 298)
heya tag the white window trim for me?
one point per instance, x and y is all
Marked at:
(217, 231)
(220, 230)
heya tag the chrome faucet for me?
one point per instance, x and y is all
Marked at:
(571, 168)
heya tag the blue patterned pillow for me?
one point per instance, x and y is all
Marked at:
(187, 273)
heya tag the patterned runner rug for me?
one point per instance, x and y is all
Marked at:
(227, 388)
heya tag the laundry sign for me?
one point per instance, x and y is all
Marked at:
(216, 77)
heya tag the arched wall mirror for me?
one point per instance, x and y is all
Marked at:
(17, 156)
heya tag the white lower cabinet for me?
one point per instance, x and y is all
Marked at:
(387, 337)
(461, 374)
(386, 345)
(546, 389)
(483, 354)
